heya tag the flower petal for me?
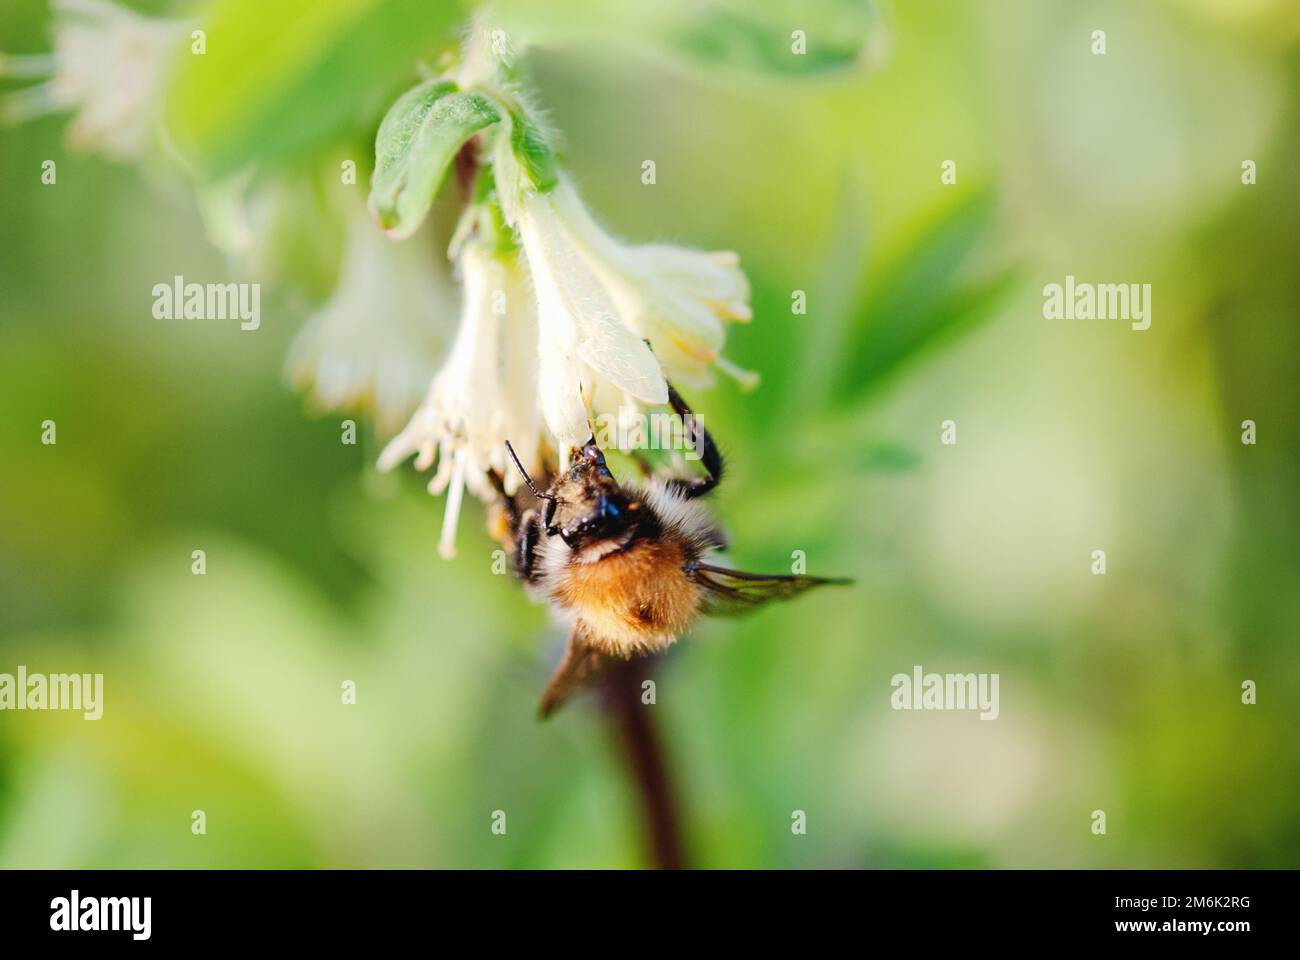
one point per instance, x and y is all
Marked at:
(562, 393)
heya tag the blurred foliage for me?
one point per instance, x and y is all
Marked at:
(921, 300)
(1119, 692)
(283, 79)
(761, 38)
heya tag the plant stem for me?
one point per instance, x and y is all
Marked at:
(643, 752)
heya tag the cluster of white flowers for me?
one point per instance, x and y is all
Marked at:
(560, 322)
(570, 325)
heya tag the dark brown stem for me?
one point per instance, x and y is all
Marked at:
(643, 751)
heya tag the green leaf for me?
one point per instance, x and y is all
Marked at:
(533, 153)
(924, 299)
(416, 144)
(280, 80)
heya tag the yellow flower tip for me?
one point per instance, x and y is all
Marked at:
(734, 310)
(725, 258)
(694, 350)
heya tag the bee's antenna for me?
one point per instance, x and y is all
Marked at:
(527, 479)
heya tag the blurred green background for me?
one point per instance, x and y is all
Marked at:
(1120, 693)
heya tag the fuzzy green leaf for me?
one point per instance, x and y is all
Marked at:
(533, 153)
(417, 142)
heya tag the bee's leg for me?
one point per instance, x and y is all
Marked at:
(702, 440)
(507, 501)
(530, 528)
(525, 530)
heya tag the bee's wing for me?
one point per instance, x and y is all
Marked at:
(581, 666)
(730, 592)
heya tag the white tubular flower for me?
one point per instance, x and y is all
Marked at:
(599, 302)
(475, 402)
(674, 297)
(520, 365)
(374, 344)
(109, 66)
(581, 338)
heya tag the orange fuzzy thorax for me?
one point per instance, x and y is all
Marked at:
(632, 601)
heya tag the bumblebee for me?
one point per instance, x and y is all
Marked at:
(627, 567)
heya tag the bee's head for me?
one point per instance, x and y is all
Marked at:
(585, 505)
(588, 504)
